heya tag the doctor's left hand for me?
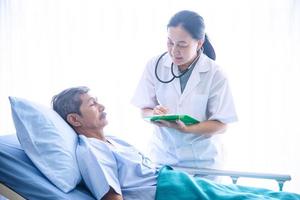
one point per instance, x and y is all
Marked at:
(178, 125)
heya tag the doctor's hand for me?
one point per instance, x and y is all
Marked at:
(178, 125)
(160, 110)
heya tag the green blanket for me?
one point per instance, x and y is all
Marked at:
(173, 185)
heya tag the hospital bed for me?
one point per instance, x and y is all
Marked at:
(20, 179)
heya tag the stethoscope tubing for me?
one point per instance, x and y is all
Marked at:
(156, 66)
(172, 69)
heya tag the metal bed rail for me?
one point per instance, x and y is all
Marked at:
(8, 193)
(235, 175)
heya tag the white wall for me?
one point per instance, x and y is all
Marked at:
(46, 46)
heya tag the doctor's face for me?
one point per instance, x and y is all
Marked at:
(92, 115)
(182, 47)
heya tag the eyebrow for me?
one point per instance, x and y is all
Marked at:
(178, 41)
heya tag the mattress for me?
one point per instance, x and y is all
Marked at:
(18, 173)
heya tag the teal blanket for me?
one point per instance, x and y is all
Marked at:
(173, 185)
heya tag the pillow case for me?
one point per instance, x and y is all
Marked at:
(48, 141)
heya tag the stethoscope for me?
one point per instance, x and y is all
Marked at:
(172, 68)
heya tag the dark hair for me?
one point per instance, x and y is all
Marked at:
(193, 23)
(68, 101)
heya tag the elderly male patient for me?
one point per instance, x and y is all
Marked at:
(113, 170)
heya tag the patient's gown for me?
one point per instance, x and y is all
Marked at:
(118, 165)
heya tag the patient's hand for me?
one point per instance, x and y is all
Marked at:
(112, 195)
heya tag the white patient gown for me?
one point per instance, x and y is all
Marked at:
(117, 165)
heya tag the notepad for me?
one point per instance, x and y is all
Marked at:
(186, 119)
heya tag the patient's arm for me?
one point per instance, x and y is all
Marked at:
(112, 195)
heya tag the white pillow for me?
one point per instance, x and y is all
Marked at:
(48, 141)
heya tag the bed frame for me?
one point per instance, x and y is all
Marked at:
(234, 175)
(9, 193)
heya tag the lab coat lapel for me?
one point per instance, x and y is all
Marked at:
(176, 85)
(195, 77)
(192, 83)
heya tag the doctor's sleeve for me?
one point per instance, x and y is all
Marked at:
(99, 172)
(144, 96)
(220, 101)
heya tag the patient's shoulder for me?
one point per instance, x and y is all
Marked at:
(92, 149)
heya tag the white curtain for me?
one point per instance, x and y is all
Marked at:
(48, 45)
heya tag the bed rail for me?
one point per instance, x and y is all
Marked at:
(8, 193)
(235, 175)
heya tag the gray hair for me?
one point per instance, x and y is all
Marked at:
(68, 101)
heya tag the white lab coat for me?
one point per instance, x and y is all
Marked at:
(206, 97)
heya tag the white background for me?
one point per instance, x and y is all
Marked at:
(47, 46)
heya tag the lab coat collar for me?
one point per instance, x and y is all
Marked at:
(168, 61)
(195, 77)
(201, 66)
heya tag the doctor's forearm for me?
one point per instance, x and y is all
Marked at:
(209, 127)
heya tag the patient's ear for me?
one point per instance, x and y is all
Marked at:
(72, 118)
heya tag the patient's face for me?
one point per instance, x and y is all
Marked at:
(92, 116)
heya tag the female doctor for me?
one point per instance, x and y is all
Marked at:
(186, 80)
